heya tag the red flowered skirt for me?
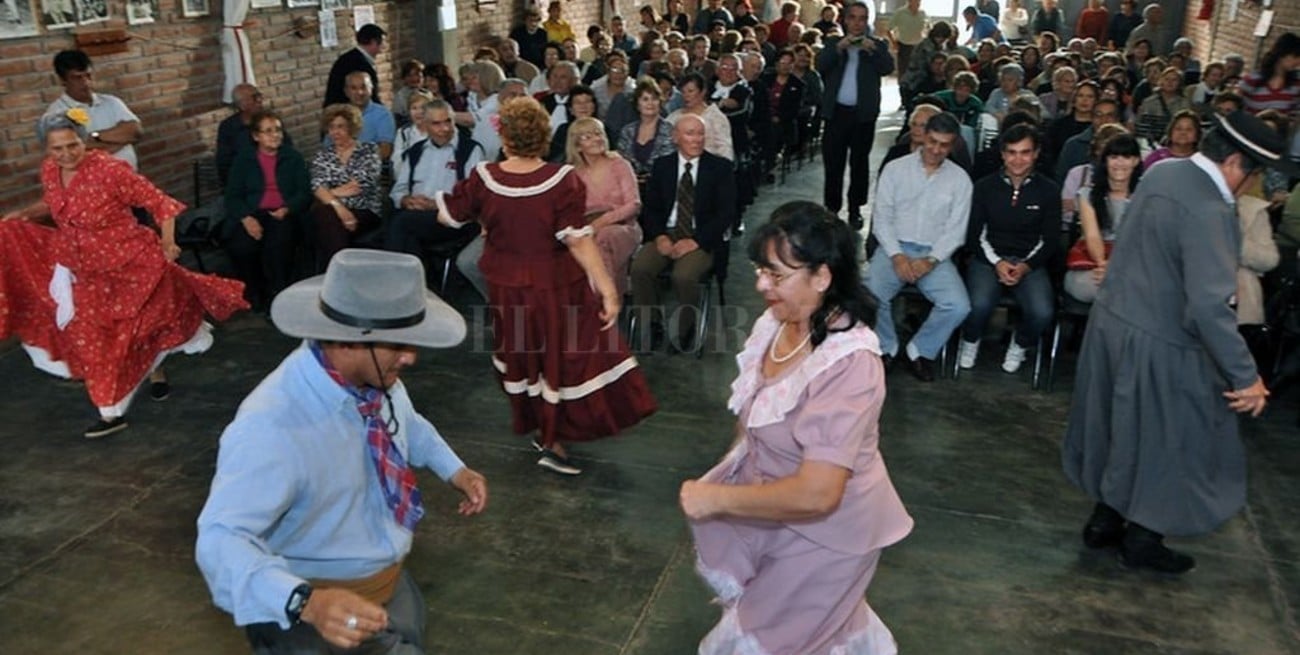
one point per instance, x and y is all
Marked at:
(125, 317)
(565, 377)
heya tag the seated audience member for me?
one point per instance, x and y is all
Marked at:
(1101, 211)
(1057, 103)
(557, 29)
(619, 37)
(1226, 102)
(267, 194)
(408, 134)
(734, 98)
(513, 64)
(695, 102)
(1181, 139)
(412, 81)
(650, 137)
(1076, 148)
(1276, 85)
(1015, 219)
(1011, 78)
(484, 83)
(922, 206)
(689, 203)
(613, 201)
(377, 124)
(234, 133)
(345, 181)
(934, 82)
(989, 160)
(1077, 119)
(560, 80)
(961, 100)
(1201, 94)
(551, 55)
(700, 62)
(612, 84)
(582, 104)
(438, 80)
(427, 167)
(912, 140)
(1259, 255)
(1156, 112)
(1288, 235)
(1080, 176)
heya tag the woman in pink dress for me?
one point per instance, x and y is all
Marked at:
(613, 201)
(568, 375)
(789, 527)
(98, 297)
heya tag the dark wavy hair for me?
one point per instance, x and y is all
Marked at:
(805, 235)
(1122, 145)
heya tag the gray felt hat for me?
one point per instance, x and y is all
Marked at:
(368, 296)
(1257, 141)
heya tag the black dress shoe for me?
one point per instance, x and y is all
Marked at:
(159, 390)
(103, 428)
(922, 369)
(1145, 549)
(1105, 528)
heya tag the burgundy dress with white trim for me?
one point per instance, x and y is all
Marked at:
(565, 377)
(129, 306)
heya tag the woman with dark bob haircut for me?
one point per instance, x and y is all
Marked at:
(568, 375)
(790, 525)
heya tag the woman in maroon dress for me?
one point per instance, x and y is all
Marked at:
(567, 374)
(98, 297)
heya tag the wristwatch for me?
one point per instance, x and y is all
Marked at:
(297, 602)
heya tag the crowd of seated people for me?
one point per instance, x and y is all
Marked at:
(1122, 82)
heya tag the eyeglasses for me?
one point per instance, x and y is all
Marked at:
(773, 276)
(272, 130)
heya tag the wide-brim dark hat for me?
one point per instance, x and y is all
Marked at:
(1258, 141)
(368, 296)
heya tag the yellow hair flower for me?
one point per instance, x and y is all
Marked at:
(78, 116)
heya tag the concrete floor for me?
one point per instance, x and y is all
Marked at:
(96, 537)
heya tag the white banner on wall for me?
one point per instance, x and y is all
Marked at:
(363, 15)
(329, 33)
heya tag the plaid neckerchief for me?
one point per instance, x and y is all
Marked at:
(396, 479)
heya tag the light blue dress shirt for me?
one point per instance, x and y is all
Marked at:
(296, 495)
(925, 209)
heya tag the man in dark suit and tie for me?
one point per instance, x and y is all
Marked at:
(370, 41)
(560, 80)
(852, 66)
(689, 202)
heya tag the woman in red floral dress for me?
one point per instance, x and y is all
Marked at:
(567, 373)
(98, 297)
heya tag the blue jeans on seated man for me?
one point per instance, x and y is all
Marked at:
(1034, 294)
(942, 286)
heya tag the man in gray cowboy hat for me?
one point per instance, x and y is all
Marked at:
(1151, 436)
(314, 504)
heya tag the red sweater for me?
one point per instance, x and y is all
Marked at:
(1093, 23)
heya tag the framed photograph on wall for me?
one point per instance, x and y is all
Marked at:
(141, 12)
(194, 8)
(17, 19)
(303, 3)
(265, 4)
(92, 11)
(332, 5)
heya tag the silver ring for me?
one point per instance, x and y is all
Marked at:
(352, 622)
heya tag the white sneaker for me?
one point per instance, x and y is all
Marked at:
(967, 351)
(1015, 357)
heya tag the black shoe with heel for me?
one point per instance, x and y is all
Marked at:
(1145, 549)
(1104, 529)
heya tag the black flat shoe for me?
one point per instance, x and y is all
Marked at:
(103, 428)
(1144, 548)
(1104, 529)
(159, 390)
(922, 369)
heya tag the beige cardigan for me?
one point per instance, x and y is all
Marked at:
(1258, 256)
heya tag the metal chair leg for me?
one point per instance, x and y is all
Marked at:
(1038, 364)
(706, 300)
(1051, 362)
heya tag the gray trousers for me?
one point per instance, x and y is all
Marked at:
(404, 635)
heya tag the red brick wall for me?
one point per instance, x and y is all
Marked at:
(171, 77)
(1219, 36)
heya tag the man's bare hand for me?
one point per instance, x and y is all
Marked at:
(342, 617)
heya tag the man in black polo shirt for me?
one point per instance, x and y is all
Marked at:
(1015, 215)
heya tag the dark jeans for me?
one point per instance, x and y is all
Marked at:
(1034, 295)
(331, 236)
(403, 636)
(847, 140)
(265, 265)
(904, 59)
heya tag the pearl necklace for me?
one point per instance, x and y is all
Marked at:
(771, 351)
